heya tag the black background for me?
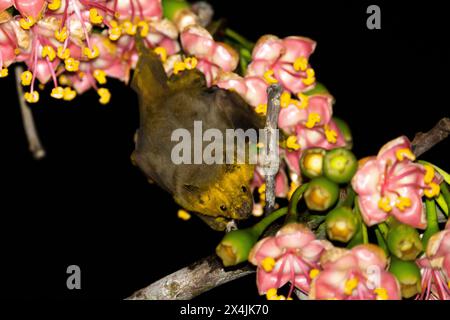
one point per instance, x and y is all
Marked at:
(85, 204)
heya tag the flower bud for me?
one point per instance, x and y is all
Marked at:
(311, 162)
(408, 275)
(404, 242)
(321, 194)
(339, 165)
(341, 224)
(235, 246)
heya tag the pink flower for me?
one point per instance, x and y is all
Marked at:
(356, 274)
(212, 56)
(285, 61)
(27, 8)
(251, 89)
(436, 267)
(142, 9)
(290, 255)
(281, 182)
(8, 41)
(391, 184)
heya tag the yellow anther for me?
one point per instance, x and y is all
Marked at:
(57, 93)
(91, 53)
(129, 28)
(385, 204)
(268, 264)
(405, 153)
(54, 5)
(271, 293)
(71, 64)
(178, 67)
(161, 52)
(280, 297)
(293, 186)
(304, 99)
(313, 119)
(49, 52)
(190, 63)
(183, 215)
(403, 203)
(62, 53)
(310, 77)
(27, 23)
(314, 273)
(4, 72)
(63, 79)
(144, 28)
(100, 76)
(16, 51)
(429, 174)
(94, 17)
(330, 135)
(69, 94)
(350, 285)
(262, 189)
(81, 74)
(61, 35)
(285, 99)
(433, 190)
(26, 78)
(104, 94)
(114, 31)
(291, 143)
(381, 293)
(261, 109)
(32, 97)
(300, 64)
(269, 77)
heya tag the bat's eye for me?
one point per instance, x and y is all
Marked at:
(244, 189)
(223, 207)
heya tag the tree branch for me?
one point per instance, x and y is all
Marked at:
(208, 273)
(34, 143)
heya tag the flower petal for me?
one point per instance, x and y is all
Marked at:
(415, 214)
(297, 47)
(367, 178)
(370, 212)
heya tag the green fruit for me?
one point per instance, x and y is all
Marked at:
(340, 165)
(321, 194)
(404, 242)
(311, 162)
(342, 224)
(346, 132)
(408, 275)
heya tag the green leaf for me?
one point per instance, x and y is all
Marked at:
(442, 204)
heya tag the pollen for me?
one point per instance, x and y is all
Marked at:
(271, 294)
(291, 143)
(161, 52)
(16, 51)
(49, 52)
(401, 154)
(114, 31)
(62, 53)
(285, 99)
(350, 285)
(381, 294)
(300, 64)
(432, 190)
(269, 77)
(71, 64)
(403, 203)
(32, 97)
(3, 72)
(54, 5)
(384, 204)
(330, 135)
(129, 28)
(105, 95)
(69, 94)
(100, 76)
(262, 188)
(94, 17)
(429, 174)
(178, 67)
(144, 28)
(293, 186)
(91, 53)
(268, 264)
(183, 215)
(57, 93)
(313, 119)
(261, 109)
(61, 35)
(190, 63)
(304, 100)
(310, 77)
(314, 273)
(26, 23)
(26, 78)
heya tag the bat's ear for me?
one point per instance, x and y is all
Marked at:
(149, 79)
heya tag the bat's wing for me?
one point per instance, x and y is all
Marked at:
(149, 79)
